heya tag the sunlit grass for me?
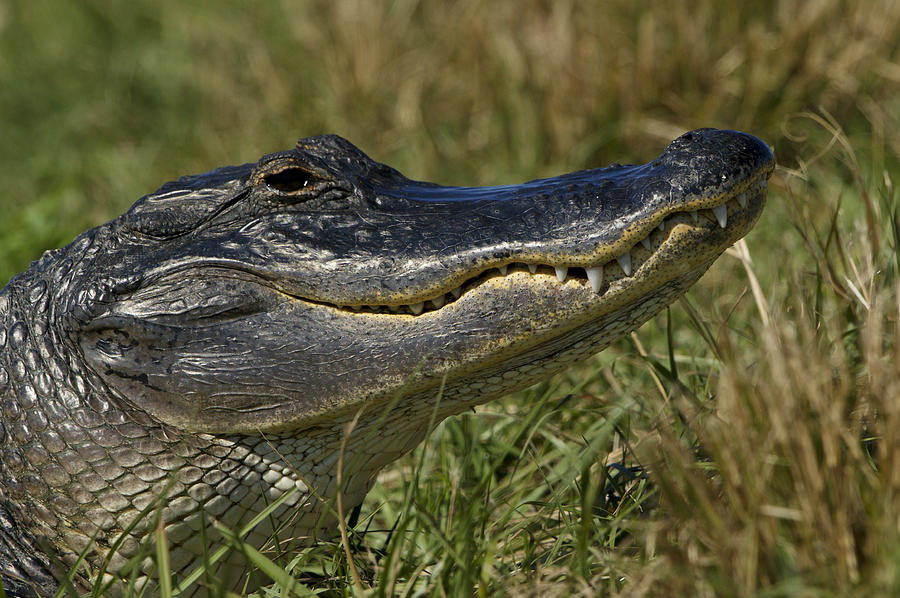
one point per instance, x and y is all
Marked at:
(743, 444)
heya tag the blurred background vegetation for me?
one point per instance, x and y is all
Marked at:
(102, 102)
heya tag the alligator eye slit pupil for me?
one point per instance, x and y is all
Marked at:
(290, 180)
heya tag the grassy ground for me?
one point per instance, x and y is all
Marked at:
(742, 444)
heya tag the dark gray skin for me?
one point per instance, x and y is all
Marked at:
(283, 299)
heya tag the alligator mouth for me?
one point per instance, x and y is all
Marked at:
(600, 277)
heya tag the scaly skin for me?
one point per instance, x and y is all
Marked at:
(200, 356)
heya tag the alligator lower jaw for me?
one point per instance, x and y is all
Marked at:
(602, 277)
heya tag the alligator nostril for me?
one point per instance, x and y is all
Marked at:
(289, 180)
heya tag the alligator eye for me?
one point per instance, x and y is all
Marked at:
(289, 180)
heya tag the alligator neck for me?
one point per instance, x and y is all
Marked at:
(68, 445)
(24, 566)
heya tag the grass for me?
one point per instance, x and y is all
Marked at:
(741, 444)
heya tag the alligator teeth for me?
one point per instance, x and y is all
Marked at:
(595, 277)
(625, 261)
(594, 274)
(721, 213)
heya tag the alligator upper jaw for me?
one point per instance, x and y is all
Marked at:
(390, 245)
(719, 225)
(412, 246)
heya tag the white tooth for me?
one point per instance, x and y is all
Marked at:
(625, 261)
(417, 308)
(595, 277)
(438, 302)
(694, 216)
(561, 273)
(503, 269)
(646, 243)
(662, 225)
(532, 268)
(721, 213)
(742, 199)
(457, 292)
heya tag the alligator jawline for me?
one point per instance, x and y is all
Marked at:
(599, 277)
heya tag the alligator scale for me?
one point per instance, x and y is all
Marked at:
(201, 356)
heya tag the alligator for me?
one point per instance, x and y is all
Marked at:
(264, 338)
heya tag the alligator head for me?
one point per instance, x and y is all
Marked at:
(284, 298)
(268, 297)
